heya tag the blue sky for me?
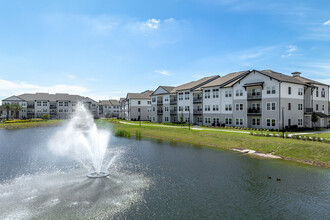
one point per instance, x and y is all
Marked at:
(104, 49)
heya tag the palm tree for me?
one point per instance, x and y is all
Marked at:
(16, 108)
(8, 108)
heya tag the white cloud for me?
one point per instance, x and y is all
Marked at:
(71, 76)
(152, 23)
(327, 22)
(290, 50)
(163, 72)
(9, 88)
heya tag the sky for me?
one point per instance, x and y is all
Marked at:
(104, 49)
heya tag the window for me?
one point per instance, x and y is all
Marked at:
(199, 119)
(180, 96)
(166, 118)
(239, 121)
(239, 107)
(289, 90)
(300, 91)
(228, 121)
(271, 106)
(73, 110)
(207, 93)
(207, 120)
(139, 102)
(149, 102)
(239, 92)
(273, 90)
(44, 103)
(322, 107)
(228, 94)
(60, 110)
(207, 108)
(317, 92)
(44, 110)
(186, 108)
(180, 108)
(187, 119)
(166, 108)
(300, 107)
(65, 110)
(317, 107)
(289, 106)
(139, 110)
(153, 99)
(323, 93)
(255, 121)
(186, 95)
(67, 104)
(300, 122)
(268, 90)
(215, 93)
(271, 122)
(60, 103)
(38, 103)
(228, 107)
(166, 99)
(215, 107)
(153, 109)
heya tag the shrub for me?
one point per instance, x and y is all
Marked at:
(138, 135)
(45, 116)
(122, 133)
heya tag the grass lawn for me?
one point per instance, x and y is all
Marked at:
(40, 123)
(322, 135)
(315, 153)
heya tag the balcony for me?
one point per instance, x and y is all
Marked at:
(159, 112)
(198, 100)
(309, 110)
(173, 112)
(159, 102)
(173, 101)
(254, 96)
(254, 112)
(52, 106)
(30, 106)
(198, 111)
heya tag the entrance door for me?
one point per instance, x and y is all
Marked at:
(321, 122)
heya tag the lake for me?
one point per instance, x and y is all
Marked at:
(151, 179)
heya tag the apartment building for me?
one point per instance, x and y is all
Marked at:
(175, 104)
(136, 106)
(58, 106)
(257, 99)
(109, 108)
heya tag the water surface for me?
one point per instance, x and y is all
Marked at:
(154, 180)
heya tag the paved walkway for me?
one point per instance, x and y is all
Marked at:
(192, 128)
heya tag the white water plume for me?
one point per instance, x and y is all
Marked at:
(82, 140)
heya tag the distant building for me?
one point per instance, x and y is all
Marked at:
(136, 106)
(109, 108)
(58, 106)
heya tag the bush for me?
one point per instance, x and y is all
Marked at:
(138, 135)
(45, 116)
(122, 133)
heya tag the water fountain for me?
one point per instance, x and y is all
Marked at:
(82, 140)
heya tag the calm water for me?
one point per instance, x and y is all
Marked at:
(154, 180)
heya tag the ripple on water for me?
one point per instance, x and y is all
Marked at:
(70, 195)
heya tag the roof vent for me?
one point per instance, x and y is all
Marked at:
(294, 74)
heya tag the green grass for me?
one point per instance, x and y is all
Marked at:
(321, 135)
(315, 153)
(41, 123)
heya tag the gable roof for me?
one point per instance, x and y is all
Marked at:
(143, 95)
(167, 89)
(193, 85)
(48, 97)
(13, 98)
(110, 102)
(280, 77)
(226, 79)
(309, 81)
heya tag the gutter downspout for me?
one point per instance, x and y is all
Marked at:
(280, 107)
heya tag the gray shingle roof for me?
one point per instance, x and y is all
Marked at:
(110, 102)
(194, 85)
(51, 97)
(143, 95)
(224, 80)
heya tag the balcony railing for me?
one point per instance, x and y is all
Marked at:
(52, 106)
(198, 111)
(159, 102)
(160, 112)
(30, 106)
(173, 101)
(309, 110)
(254, 111)
(198, 99)
(173, 112)
(254, 96)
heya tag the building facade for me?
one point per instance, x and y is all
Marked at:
(256, 99)
(58, 106)
(109, 108)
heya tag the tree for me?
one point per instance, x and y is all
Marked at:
(16, 108)
(45, 116)
(8, 107)
(314, 118)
